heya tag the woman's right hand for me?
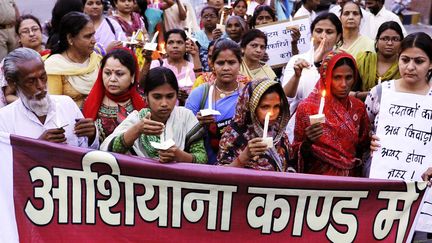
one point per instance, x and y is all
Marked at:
(322, 49)
(205, 120)
(150, 127)
(255, 148)
(299, 65)
(313, 132)
(216, 33)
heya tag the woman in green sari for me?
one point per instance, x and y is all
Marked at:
(382, 64)
(139, 132)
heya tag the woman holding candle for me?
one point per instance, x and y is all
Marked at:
(135, 134)
(301, 74)
(227, 83)
(108, 32)
(353, 42)
(384, 62)
(336, 146)
(262, 112)
(114, 95)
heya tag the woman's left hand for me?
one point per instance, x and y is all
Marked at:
(168, 155)
(427, 176)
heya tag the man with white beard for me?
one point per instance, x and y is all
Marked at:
(53, 118)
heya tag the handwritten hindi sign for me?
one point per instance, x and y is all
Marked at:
(405, 132)
(279, 39)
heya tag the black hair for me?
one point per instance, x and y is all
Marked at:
(209, 8)
(176, 31)
(142, 5)
(226, 44)
(159, 76)
(389, 25)
(25, 17)
(72, 23)
(238, 1)
(124, 57)
(211, 44)
(61, 8)
(252, 35)
(258, 10)
(355, 3)
(419, 40)
(333, 19)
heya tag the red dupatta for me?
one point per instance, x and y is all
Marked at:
(130, 28)
(346, 129)
(98, 92)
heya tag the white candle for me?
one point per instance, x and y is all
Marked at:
(266, 124)
(379, 80)
(290, 18)
(321, 107)
(222, 17)
(154, 37)
(162, 139)
(210, 97)
(229, 3)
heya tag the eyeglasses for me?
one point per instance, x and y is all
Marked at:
(388, 38)
(210, 16)
(27, 31)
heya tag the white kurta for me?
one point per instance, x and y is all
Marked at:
(18, 120)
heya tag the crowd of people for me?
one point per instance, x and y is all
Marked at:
(92, 83)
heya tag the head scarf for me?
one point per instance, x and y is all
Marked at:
(346, 127)
(245, 126)
(98, 92)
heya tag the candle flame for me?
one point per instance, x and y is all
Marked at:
(323, 93)
(162, 47)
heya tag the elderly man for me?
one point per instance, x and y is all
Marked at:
(53, 118)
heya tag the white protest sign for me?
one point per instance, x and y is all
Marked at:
(405, 132)
(279, 39)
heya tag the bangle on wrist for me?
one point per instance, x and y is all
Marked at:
(356, 94)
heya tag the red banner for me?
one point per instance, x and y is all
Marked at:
(67, 194)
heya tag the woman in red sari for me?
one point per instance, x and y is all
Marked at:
(114, 95)
(337, 146)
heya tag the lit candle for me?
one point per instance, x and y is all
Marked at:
(229, 3)
(321, 107)
(222, 17)
(290, 18)
(154, 37)
(210, 97)
(156, 4)
(162, 48)
(266, 124)
(379, 80)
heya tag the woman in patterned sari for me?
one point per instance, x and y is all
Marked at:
(114, 95)
(242, 144)
(336, 146)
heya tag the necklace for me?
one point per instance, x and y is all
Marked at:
(223, 93)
